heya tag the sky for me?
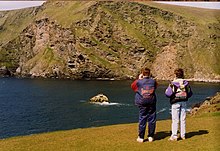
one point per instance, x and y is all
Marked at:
(10, 5)
(209, 5)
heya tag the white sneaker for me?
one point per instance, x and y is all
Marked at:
(140, 140)
(150, 139)
(172, 139)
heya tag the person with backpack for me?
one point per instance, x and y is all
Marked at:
(178, 91)
(145, 98)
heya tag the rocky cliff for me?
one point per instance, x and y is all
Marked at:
(96, 39)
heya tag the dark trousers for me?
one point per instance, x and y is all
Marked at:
(147, 114)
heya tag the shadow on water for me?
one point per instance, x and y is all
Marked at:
(200, 132)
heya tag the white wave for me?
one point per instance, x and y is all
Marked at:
(162, 110)
(187, 110)
(105, 103)
(109, 104)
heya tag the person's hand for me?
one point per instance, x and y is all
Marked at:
(141, 76)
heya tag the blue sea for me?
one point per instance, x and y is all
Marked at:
(30, 106)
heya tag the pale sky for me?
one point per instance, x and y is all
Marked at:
(209, 5)
(10, 5)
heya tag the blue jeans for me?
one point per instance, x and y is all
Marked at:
(147, 114)
(178, 116)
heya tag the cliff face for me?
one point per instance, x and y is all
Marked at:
(108, 40)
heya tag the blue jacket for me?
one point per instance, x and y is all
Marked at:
(145, 91)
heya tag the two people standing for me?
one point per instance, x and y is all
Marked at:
(145, 98)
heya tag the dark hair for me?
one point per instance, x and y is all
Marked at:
(179, 73)
(146, 72)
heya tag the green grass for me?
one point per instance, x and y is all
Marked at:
(216, 60)
(98, 59)
(66, 12)
(80, 32)
(131, 31)
(45, 60)
(201, 16)
(202, 134)
(14, 22)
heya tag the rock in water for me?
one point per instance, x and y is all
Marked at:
(101, 98)
(4, 72)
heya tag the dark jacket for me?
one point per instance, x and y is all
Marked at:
(173, 89)
(145, 91)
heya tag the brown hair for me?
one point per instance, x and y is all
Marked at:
(179, 73)
(146, 72)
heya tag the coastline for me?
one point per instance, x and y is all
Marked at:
(199, 85)
(111, 79)
(203, 80)
(208, 105)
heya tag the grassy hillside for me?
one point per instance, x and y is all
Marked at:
(195, 52)
(12, 23)
(66, 12)
(208, 24)
(113, 39)
(200, 15)
(202, 134)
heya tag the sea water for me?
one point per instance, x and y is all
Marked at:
(30, 106)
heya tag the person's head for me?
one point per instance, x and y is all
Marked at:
(179, 73)
(146, 72)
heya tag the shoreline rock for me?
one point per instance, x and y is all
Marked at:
(208, 105)
(4, 72)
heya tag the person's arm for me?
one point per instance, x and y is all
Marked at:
(141, 76)
(134, 86)
(189, 91)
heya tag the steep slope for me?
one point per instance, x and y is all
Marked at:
(12, 23)
(96, 39)
(204, 44)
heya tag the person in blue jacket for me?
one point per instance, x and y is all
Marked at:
(145, 98)
(178, 91)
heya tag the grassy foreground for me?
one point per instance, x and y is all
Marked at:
(202, 134)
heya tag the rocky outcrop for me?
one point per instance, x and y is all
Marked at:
(165, 63)
(109, 40)
(4, 72)
(100, 98)
(210, 104)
